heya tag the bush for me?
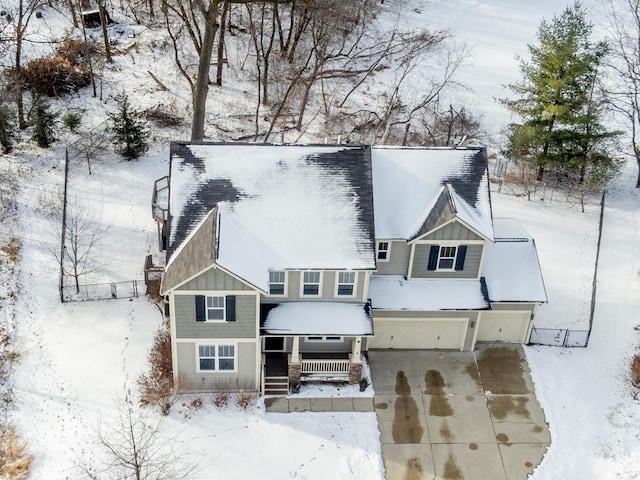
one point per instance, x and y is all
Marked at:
(71, 121)
(156, 386)
(130, 132)
(76, 52)
(635, 371)
(43, 120)
(7, 129)
(14, 461)
(54, 76)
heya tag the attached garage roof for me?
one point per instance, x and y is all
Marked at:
(318, 318)
(511, 266)
(394, 292)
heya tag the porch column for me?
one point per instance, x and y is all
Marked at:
(356, 350)
(295, 350)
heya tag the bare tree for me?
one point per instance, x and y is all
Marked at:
(81, 233)
(624, 93)
(135, 447)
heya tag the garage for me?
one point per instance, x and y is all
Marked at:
(423, 333)
(503, 326)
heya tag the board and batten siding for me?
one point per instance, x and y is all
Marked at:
(328, 281)
(215, 279)
(398, 263)
(190, 380)
(186, 325)
(419, 268)
(452, 231)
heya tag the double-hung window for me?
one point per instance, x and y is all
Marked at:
(215, 308)
(346, 284)
(214, 358)
(277, 283)
(383, 251)
(311, 284)
(447, 258)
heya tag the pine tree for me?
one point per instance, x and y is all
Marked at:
(7, 129)
(130, 132)
(557, 99)
(44, 121)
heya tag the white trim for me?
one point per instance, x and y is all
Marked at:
(209, 340)
(453, 259)
(388, 250)
(323, 339)
(365, 287)
(220, 342)
(174, 341)
(214, 293)
(285, 284)
(207, 308)
(453, 220)
(354, 293)
(205, 270)
(302, 283)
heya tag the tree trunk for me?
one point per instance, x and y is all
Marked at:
(223, 21)
(202, 82)
(74, 17)
(103, 22)
(638, 162)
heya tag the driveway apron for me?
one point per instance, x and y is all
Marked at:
(449, 415)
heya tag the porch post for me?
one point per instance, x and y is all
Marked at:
(356, 350)
(295, 350)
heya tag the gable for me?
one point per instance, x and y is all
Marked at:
(453, 230)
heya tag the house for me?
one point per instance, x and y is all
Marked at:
(287, 262)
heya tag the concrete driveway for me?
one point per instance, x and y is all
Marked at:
(457, 415)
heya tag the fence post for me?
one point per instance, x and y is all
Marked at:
(64, 224)
(595, 269)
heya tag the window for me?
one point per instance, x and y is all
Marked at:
(323, 338)
(215, 308)
(447, 258)
(346, 285)
(213, 358)
(277, 283)
(383, 251)
(311, 284)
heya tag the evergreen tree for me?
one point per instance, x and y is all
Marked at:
(557, 99)
(129, 130)
(7, 129)
(44, 121)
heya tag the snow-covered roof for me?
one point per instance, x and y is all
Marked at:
(511, 268)
(394, 292)
(408, 181)
(284, 207)
(318, 318)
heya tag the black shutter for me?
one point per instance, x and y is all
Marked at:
(462, 252)
(230, 307)
(433, 257)
(200, 310)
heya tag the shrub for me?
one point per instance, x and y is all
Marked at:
(156, 386)
(7, 129)
(635, 370)
(43, 120)
(14, 461)
(54, 76)
(129, 131)
(77, 52)
(71, 121)
(221, 399)
(245, 399)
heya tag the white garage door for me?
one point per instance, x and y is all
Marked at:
(419, 333)
(503, 326)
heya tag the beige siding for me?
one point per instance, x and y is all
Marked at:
(398, 263)
(190, 380)
(421, 260)
(529, 307)
(344, 346)
(423, 314)
(452, 231)
(215, 279)
(187, 327)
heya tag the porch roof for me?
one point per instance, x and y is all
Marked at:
(394, 292)
(317, 318)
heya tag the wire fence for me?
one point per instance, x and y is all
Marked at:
(101, 291)
(559, 337)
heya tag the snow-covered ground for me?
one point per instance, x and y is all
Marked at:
(78, 359)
